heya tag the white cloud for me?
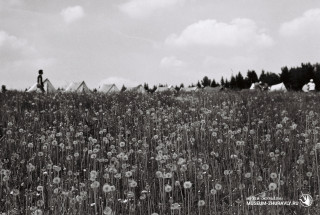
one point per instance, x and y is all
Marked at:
(171, 62)
(71, 14)
(119, 81)
(20, 61)
(307, 24)
(213, 33)
(11, 47)
(144, 8)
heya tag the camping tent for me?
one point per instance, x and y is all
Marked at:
(79, 87)
(48, 87)
(189, 89)
(256, 86)
(163, 89)
(108, 88)
(278, 87)
(212, 89)
(138, 89)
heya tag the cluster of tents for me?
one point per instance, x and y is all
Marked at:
(276, 87)
(254, 86)
(81, 87)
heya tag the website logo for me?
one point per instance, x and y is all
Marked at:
(306, 200)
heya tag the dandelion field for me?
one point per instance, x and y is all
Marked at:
(154, 154)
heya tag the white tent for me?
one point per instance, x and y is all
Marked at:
(256, 86)
(278, 87)
(305, 88)
(138, 89)
(79, 87)
(108, 88)
(163, 89)
(189, 89)
(48, 87)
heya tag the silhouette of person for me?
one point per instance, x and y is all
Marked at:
(311, 86)
(3, 89)
(40, 84)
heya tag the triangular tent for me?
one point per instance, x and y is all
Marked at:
(255, 86)
(79, 87)
(172, 88)
(162, 89)
(48, 87)
(188, 89)
(108, 88)
(278, 87)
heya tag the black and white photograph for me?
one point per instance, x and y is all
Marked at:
(159, 107)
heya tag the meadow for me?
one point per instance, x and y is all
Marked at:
(157, 154)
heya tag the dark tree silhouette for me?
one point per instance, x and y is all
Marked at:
(270, 78)
(233, 82)
(252, 77)
(214, 83)
(285, 77)
(240, 83)
(206, 81)
(199, 85)
(222, 82)
(146, 87)
(123, 88)
(227, 83)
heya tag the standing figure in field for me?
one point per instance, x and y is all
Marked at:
(40, 81)
(311, 86)
(3, 89)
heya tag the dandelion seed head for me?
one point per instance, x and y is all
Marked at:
(95, 185)
(56, 180)
(187, 184)
(201, 203)
(272, 186)
(273, 175)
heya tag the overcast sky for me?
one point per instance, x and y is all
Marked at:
(154, 41)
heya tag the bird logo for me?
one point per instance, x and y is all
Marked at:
(305, 200)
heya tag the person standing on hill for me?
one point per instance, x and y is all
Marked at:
(40, 84)
(311, 86)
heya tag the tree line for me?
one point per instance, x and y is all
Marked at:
(293, 78)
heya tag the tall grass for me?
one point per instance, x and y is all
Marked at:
(158, 154)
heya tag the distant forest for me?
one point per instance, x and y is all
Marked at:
(293, 78)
